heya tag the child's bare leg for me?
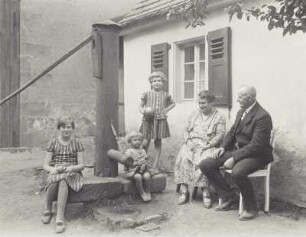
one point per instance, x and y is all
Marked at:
(146, 144)
(158, 147)
(139, 185)
(51, 195)
(62, 200)
(147, 183)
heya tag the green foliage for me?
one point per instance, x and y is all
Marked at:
(289, 15)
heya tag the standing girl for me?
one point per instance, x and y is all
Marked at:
(155, 105)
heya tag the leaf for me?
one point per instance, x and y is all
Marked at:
(297, 3)
(281, 23)
(270, 25)
(262, 18)
(272, 9)
(286, 30)
(282, 10)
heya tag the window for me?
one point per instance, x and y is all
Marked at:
(204, 64)
(192, 67)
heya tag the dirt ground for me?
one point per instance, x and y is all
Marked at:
(22, 200)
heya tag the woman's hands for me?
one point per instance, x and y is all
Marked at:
(53, 170)
(59, 169)
(195, 146)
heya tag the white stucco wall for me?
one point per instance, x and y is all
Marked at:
(274, 64)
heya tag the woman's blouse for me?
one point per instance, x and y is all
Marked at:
(65, 154)
(211, 128)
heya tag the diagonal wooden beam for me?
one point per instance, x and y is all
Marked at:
(48, 69)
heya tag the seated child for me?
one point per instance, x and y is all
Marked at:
(139, 171)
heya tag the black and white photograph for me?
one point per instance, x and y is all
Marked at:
(162, 118)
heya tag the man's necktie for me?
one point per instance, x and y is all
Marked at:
(243, 115)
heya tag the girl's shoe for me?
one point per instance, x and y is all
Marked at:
(207, 202)
(60, 227)
(147, 197)
(183, 198)
(46, 218)
(206, 199)
(143, 196)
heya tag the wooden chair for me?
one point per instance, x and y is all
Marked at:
(259, 173)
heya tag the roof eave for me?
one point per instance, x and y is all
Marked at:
(145, 20)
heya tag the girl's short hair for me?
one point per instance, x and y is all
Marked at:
(158, 74)
(207, 95)
(62, 121)
(131, 135)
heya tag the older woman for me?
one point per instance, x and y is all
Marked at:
(64, 162)
(203, 133)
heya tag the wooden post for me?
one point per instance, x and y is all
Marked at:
(105, 52)
(9, 71)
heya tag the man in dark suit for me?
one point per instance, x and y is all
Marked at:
(245, 149)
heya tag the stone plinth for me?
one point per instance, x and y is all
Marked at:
(158, 184)
(96, 189)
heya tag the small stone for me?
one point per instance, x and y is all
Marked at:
(127, 223)
(156, 218)
(148, 227)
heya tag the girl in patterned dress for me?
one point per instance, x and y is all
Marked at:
(64, 162)
(139, 171)
(155, 105)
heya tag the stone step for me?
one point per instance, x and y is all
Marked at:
(99, 188)
(158, 184)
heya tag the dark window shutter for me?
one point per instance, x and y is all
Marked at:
(219, 65)
(160, 60)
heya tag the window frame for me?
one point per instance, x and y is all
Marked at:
(180, 67)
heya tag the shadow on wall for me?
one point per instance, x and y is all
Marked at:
(288, 171)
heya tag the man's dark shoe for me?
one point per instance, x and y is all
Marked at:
(248, 215)
(226, 205)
